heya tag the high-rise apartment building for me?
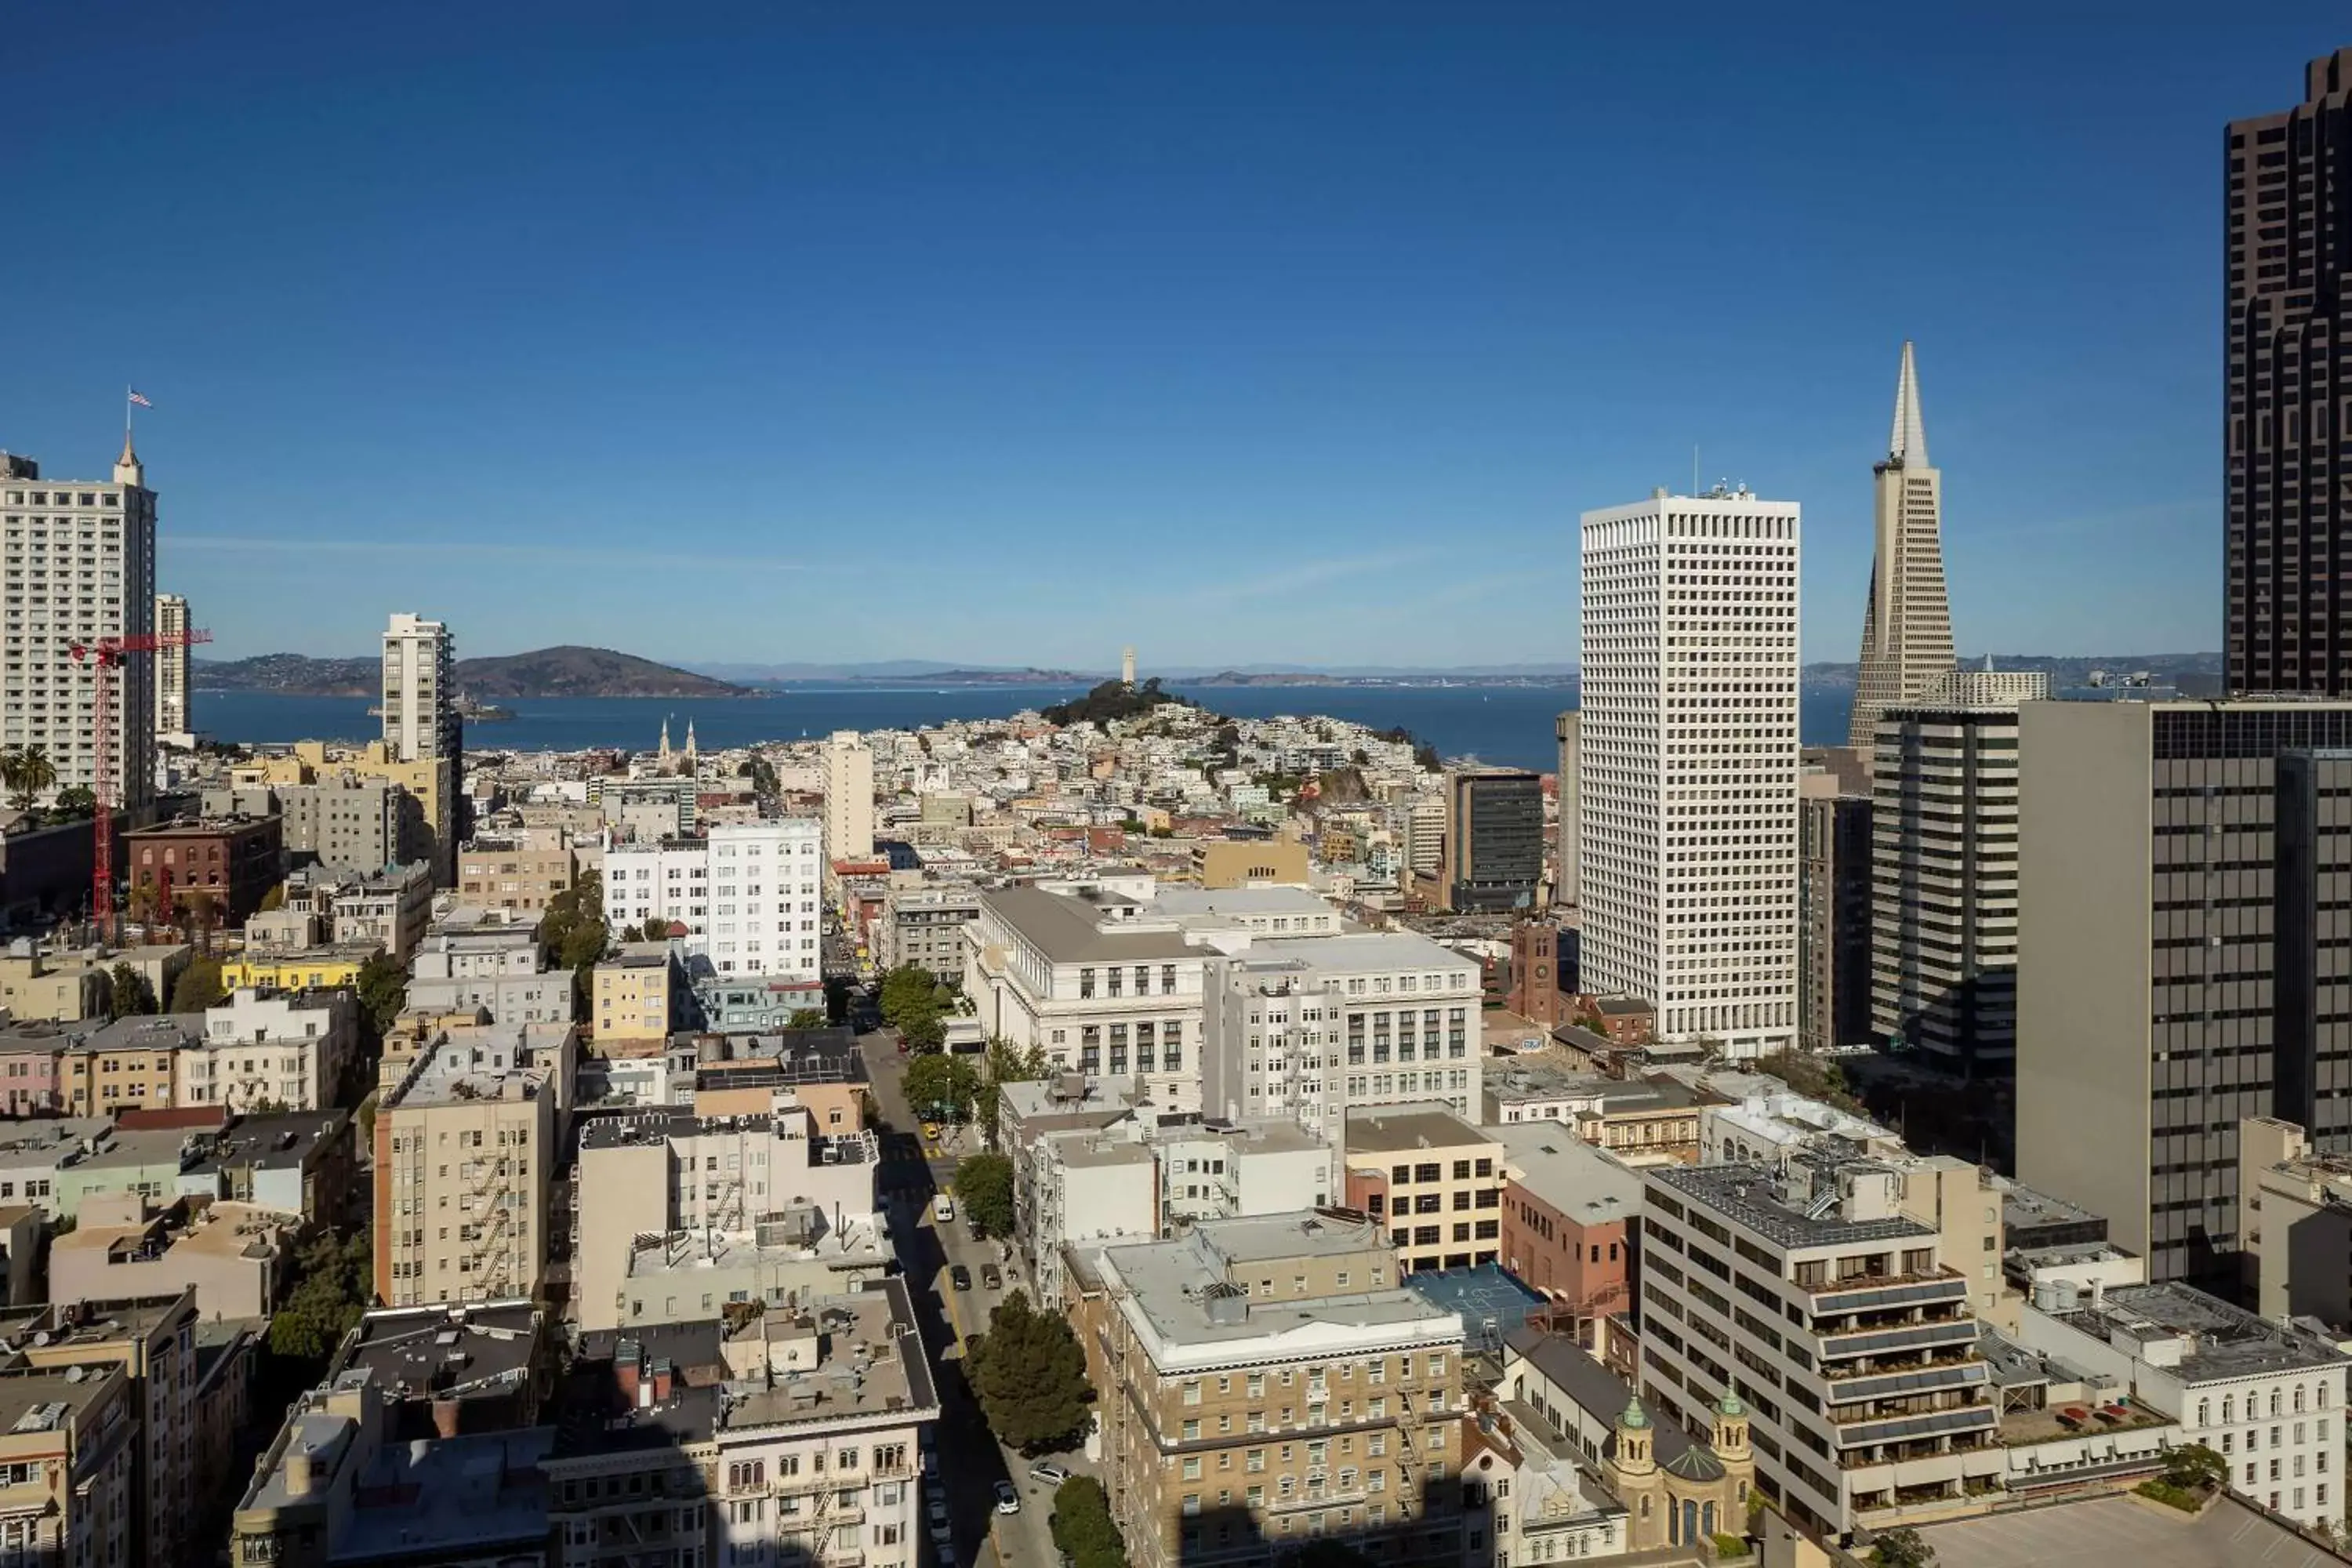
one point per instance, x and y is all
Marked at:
(1493, 839)
(848, 796)
(2287, 327)
(420, 690)
(1564, 729)
(1944, 870)
(748, 895)
(1906, 628)
(1833, 913)
(2177, 861)
(1688, 770)
(421, 728)
(171, 670)
(81, 559)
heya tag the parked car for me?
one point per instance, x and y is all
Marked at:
(1048, 1472)
(992, 1276)
(961, 1277)
(935, 1508)
(1007, 1500)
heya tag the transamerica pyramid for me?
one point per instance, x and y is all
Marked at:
(1906, 629)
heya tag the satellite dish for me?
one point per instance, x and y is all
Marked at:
(41, 1336)
(76, 1374)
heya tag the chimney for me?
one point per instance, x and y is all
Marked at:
(661, 1382)
(297, 1472)
(444, 1417)
(625, 1368)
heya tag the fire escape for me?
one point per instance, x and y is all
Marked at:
(490, 1197)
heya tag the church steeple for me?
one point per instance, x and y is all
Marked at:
(689, 743)
(662, 757)
(1729, 1439)
(1631, 1457)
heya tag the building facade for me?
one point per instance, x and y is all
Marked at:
(1264, 1382)
(226, 864)
(420, 690)
(1943, 943)
(1853, 1338)
(519, 872)
(848, 796)
(1907, 627)
(2287, 177)
(81, 554)
(748, 895)
(1688, 765)
(1833, 922)
(924, 927)
(2171, 976)
(172, 672)
(1493, 839)
(347, 823)
(1434, 1179)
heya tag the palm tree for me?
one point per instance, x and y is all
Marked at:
(25, 771)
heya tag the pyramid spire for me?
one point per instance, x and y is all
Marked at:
(689, 740)
(1909, 441)
(128, 469)
(663, 757)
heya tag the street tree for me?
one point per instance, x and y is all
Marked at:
(940, 1083)
(1083, 1526)
(806, 1018)
(382, 992)
(1005, 1063)
(25, 773)
(332, 1289)
(1031, 1376)
(985, 1183)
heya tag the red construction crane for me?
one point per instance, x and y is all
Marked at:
(105, 656)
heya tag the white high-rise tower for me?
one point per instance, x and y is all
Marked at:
(1906, 629)
(86, 550)
(172, 672)
(1686, 763)
(420, 697)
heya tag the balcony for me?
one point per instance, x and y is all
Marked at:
(1954, 1446)
(1856, 1381)
(1873, 1292)
(1952, 1333)
(1861, 1430)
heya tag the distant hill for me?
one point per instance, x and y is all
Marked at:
(567, 671)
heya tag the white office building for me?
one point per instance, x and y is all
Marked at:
(1305, 1028)
(848, 796)
(748, 894)
(1687, 764)
(172, 672)
(80, 561)
(420, 690)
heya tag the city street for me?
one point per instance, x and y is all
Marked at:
(968, 1456)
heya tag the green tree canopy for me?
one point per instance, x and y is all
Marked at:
(1005, 1063)
(334, 1283)
(25, 771)
(128, 991)
(1031, 1376)
(1902, 1548)
(985, 1183)
(198, 986)
(2193, 1467)
(382, 992)
(1083, 1527)
(806, 1018)
(909, 986)
(939, 1082)
(75, 802)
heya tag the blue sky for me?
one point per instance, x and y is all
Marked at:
(1012, 333)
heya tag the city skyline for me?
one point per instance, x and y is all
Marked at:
(1343, 293)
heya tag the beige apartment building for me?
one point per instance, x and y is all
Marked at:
(66, 1484)
(1264, 1382)
(130, 1064)
(1431, 1178)
(232, 1256)
(518, 871)
(633, 998)
(464, 1143)
(433, 779)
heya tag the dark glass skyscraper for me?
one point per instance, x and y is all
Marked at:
(2288, 423)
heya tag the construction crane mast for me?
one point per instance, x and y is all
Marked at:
(105, 656)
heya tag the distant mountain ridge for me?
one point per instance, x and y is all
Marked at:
(565, 671)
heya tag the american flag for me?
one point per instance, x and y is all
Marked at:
(140, 399)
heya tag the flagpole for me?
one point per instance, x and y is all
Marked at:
(127, 390)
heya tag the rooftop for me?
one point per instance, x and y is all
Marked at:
(1762, 1200)
(858, 1354)
(414, 1499)
(2023, 1206)
(644, 1387)
(167, 1031)
(1242, 903)
(217, 1230)
(47, 1401)
(1068, 930)
(1600, 1392)
(447, 1351)
(278, 1142)
(1358, 950)
(1572, 1176)
(2213, 1339)
(1399, 1128)
(42, 1142)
